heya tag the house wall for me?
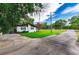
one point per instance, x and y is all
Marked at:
(0, 33)
(20, 30)
(32, 29)
(29, 28)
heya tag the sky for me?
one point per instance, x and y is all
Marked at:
(58, 11)
(65, 11)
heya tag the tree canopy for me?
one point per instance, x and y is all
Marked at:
(74, 21)
(10, 14)
(59, 24)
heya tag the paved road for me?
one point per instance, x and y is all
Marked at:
(63, 44)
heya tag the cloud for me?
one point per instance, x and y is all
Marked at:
(71, 9)
(52, 8)
(65, 11)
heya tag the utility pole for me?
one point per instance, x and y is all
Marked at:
(50, 22)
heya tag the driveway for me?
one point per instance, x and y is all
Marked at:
(63, 44)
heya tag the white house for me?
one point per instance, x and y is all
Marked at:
(26, 28)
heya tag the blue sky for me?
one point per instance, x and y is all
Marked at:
(58, 11)
(65, 11)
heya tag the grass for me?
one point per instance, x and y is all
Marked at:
(41, 33)
(77, 32)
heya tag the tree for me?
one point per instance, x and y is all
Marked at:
(10, 14)
(38, 25)
(59, 24)
(74, 21)
(44, 25)
(26, 21)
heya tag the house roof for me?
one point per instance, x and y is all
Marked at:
(22, 25)
(26, 25)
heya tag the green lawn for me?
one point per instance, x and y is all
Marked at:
(77, 32)
(41, 33)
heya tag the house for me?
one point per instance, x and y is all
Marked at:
(26, 28)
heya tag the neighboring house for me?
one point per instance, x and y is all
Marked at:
(26, 28)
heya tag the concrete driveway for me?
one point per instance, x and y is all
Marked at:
(63, 44)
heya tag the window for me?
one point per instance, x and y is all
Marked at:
(23, 28)
(32, 27)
